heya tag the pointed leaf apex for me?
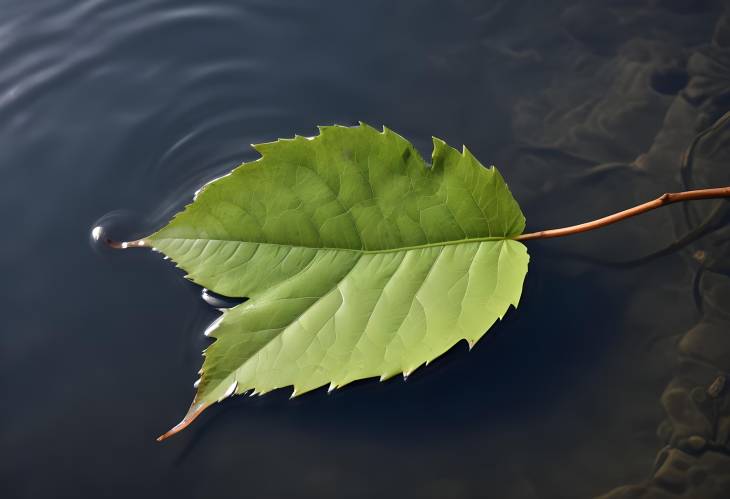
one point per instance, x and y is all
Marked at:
(195, 410)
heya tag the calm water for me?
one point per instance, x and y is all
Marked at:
(114, 113)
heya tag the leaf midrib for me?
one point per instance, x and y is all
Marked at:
(351, 250)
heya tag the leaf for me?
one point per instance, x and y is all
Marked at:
(357, 257)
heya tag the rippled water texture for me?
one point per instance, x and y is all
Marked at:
(113, 113)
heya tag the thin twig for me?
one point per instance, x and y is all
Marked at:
(663, 200)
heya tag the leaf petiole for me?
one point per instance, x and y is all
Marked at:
(663, 200)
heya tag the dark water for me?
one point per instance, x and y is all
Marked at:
(112, 113)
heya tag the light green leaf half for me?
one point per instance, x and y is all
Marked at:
(358, 259)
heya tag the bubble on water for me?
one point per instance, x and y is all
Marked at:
(109, 231)
(96, 233)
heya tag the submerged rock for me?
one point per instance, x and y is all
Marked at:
(696, 463)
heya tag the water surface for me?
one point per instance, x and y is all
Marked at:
(114, 113)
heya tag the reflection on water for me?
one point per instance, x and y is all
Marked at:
(126, 108)
(216, 300)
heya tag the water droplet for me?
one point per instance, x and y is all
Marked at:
(97, 232)
(117, 225)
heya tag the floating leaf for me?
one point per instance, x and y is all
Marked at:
(358, 259)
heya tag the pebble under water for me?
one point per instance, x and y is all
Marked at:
(608, 381)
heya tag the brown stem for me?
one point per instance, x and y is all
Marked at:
(663, 200)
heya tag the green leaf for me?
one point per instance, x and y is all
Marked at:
(358, 259)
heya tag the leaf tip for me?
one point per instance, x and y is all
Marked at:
(194, 411)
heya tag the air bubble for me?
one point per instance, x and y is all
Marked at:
(117, 225)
